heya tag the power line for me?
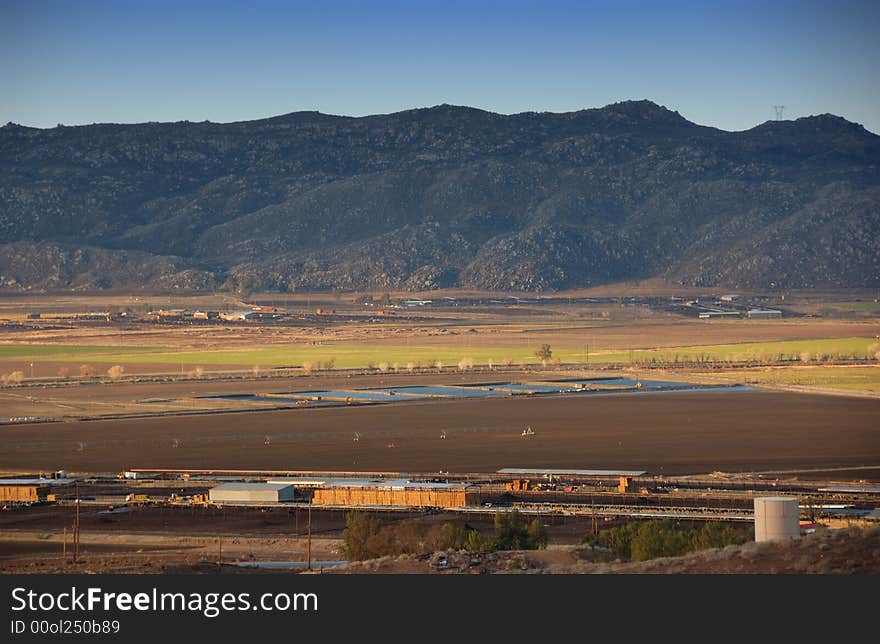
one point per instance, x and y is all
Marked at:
(779, 110)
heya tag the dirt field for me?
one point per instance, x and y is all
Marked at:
(154, 539)
(449, 333)
(672, 433)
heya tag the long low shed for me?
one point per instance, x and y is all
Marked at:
(538, 472)
(397, 494)
(29, 490)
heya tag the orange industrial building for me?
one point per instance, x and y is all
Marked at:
(29, 490)
(399, 493)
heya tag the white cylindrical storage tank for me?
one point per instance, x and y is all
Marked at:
(777, 518)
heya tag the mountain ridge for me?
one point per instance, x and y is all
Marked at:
(440, 197)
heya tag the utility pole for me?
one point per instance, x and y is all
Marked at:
(76, 529)
(593, 517)
(779, 110)
(309, 542)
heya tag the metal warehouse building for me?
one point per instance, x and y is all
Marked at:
(243, 493)
(399, 493)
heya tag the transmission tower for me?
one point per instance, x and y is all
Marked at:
(779, 110)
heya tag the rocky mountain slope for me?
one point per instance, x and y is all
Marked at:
(438, 197)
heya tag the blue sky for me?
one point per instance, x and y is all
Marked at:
(719, 63)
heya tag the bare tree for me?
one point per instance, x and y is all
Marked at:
(544, 354)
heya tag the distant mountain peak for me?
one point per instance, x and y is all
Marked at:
(642, 107)
(829, 124)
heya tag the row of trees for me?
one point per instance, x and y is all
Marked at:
(85, 371)
(464, 364)
(756, 358)
(640, 541)
(364, 536)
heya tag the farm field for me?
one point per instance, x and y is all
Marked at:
(862, 378)
(97, 399)
(872, 307)
(343, 354)
(669, 433)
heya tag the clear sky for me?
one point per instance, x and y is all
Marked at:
(719, 63)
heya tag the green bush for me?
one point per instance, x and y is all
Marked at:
(359, 529)
(644, 540)
(513, 533)
(364, 537)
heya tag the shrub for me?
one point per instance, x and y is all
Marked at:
(476, 542)
(365, 537)
(449, 537)
(115, 372)
(513, 533)
(359, 528)
(537, 534)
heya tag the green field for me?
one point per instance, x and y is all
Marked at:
(854, 307)
(362, 354)
(342, 355)
(850, 378)
(754, 351)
